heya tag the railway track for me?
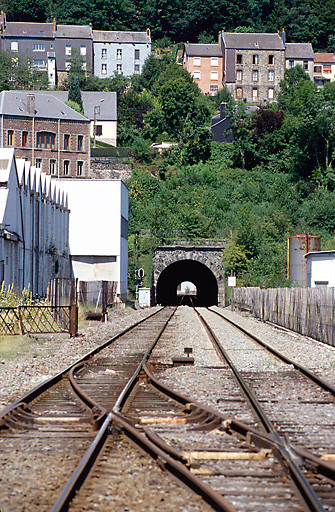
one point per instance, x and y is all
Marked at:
(230, 464)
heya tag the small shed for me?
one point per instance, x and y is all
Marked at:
(320, 268)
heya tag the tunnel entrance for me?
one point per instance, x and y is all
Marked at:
(187, 270)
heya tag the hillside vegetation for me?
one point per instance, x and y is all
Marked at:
(187, 20)
(275, 179)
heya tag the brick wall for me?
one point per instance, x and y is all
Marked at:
(58, 160)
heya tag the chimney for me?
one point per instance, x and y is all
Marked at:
(31, 104)
(148, 32)
(3, 21)
(54, 25)
(283, 36)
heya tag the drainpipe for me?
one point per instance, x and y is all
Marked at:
(1, 140)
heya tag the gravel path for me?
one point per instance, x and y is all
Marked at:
(49, 354)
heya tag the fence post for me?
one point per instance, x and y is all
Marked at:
(20, 319)
(73, 320)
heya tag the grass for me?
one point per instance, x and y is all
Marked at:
(12, 346)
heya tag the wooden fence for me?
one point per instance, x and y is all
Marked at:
(97, 295)
(308, 311)
(62, 292)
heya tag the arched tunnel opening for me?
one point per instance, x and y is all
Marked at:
(187, 270)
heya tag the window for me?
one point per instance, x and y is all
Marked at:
(239, 74)
(239, 58)
(271, 93)
(271, 75)
(80, 142)
(83, 66)
(38, 47)
(196, 61)
(80, 166)
(104, 53)
(213, 89)
(66, 141)
(52, 166)
(305, 66)
(255, 59)
(327, 68)
(214, 75)
(137, 69)
(83, 50)
(51, 47)
(45, 140)
(255, 75)
(291, 64)
(98, 129)
(318, 70)
(66, 168)
(119, 54)
(104, 69)
(67, 65)
(14, 46)
(271, 59)
(254, 94)
(196, 75)
(239, 92)
(67, 49)
(119, 68)
(214, 61)
(10, 138)
(321, 283)
(24, 139)
(38, 63)
(38, 163)
(137, 54)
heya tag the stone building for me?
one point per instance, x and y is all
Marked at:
(120, 52)
(45, 131)
(204, 63)
(253, 65)
(34, 226)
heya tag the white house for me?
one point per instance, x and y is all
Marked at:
(34, 222)
(320, 268)
(98, 230)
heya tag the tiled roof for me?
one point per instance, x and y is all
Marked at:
(324, 57)
(20, 29)
(101, 36)
(299, 51)
(14, 103)
(203, 50)
(69, 31)
(255, 41)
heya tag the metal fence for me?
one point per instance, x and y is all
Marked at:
(308, 311)
(97, 295)
(39, 319)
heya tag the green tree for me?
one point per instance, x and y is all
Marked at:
(74, 91)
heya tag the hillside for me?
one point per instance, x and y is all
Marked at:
(190, 20)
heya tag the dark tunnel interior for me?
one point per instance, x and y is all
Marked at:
(187, 270)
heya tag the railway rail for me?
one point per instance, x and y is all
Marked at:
(117, 394)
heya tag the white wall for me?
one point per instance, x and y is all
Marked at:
(98, 250)
(321, 270)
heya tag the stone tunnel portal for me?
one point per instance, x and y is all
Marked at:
(187, 270)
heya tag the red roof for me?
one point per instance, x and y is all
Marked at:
(324, 57)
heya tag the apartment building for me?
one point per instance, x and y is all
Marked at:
(204, 62)
(45, 131)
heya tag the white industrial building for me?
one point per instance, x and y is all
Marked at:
(34, 226)
(320, 268)
(98, 230)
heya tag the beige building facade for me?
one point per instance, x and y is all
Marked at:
(204, 63)
(300, 54)
(324, 68)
